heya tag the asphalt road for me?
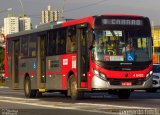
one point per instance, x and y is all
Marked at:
(13, 102)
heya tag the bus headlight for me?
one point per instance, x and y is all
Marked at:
(96, 72)
(102, 76)
(149, 74)
(99, 74)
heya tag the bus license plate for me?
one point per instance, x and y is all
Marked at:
(126, 83)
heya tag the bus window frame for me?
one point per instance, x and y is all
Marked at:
(48, 42)
(26, 37)
(31, 37)
(71, 44)
(59, 33)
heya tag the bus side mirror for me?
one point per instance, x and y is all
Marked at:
(92, 40)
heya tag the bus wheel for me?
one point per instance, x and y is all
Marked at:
(124, 94)
(75, 94)
(27, 88)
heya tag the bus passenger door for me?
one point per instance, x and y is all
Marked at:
(41, 62)
(82, 56)
(15, 64)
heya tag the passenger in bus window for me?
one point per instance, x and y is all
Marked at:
(127, 48)
(71, 45)
(110, 48)
(69, 42)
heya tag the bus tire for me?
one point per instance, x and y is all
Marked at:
(75, 94)
(29, 93)
(124, 94)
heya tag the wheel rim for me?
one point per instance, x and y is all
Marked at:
(73, 87)
(27, 87)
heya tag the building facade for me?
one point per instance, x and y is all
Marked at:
(24, 23)
(15, 24)
(11, 25)
(156, 44)
(49, 15)
(1, 35)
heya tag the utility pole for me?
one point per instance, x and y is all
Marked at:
(23, 14)
(2, 34)
(61, 11)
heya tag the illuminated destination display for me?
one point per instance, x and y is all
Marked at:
(133, 22)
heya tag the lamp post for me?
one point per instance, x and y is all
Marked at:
(2, 34)
(22, 22)
(3, 39)
(22, 8)
(9, 9)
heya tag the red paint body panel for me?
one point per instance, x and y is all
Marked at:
(84, 84)
(115, 74)
(79, 21)
(6, 59)
(122, 74)
(67, 66)
(52, 73)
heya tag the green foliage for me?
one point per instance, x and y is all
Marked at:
(1, 59)
(2, 84)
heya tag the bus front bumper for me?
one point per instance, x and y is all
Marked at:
(100, 84)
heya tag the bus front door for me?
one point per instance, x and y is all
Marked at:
(15, 64)
(82, 57)
(41, 63)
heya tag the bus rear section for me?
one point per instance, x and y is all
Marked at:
(98, 53)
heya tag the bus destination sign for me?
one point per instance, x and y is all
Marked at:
(128, 22)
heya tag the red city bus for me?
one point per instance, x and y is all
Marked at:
(98, 53)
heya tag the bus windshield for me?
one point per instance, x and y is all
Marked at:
(122, 45)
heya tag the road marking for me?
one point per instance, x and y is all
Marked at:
(16, 98)
(10, 92)
(74, 104)
(1, 87)
(58, 107)
(116, 106)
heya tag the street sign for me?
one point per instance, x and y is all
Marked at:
(130, 56)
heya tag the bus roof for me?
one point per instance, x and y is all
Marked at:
(54, 25)
(122, 15)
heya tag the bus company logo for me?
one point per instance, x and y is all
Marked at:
(107, 58)
(65, 61)
(126, 75)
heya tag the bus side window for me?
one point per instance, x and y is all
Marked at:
(32, 46)
(61, 42)
(51, 43)
(71, 40)
(24, 47)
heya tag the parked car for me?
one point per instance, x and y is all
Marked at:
(156, 78)
(156, 75)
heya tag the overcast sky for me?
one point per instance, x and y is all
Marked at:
(83, 8)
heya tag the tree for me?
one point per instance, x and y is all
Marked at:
(1, 59)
